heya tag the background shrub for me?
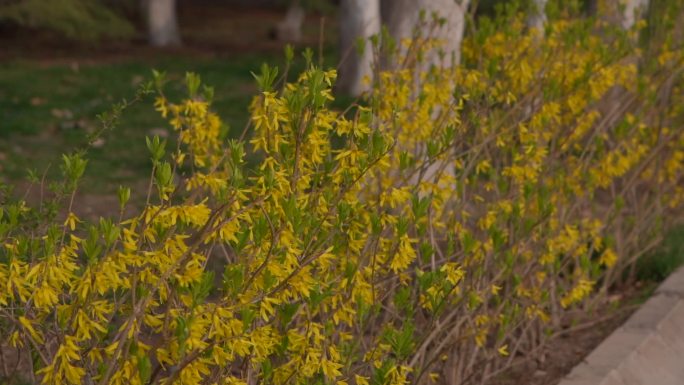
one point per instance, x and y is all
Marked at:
(432, 232)
(76, 19)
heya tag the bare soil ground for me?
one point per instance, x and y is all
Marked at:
(572, 344)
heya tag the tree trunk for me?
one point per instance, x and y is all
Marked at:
(403, 16)
(359, 20)
(625, 13)
(290, 29)
(634, 10)
(162, 23)
(537, 16)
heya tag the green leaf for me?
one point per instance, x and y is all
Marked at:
(192, 82)
(233, 277)
(124, 194)
(156, 147)
(289, 53)
(144, 368)
(163, 174)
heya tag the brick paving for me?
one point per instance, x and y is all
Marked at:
(647, 350)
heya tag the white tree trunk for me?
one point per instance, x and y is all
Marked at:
(537, 18)
(619, 12)
(403, 16)
(633, 11)
(290, 29)
(359, 20)
(162, 23)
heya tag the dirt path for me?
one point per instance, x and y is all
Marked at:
(208, 30)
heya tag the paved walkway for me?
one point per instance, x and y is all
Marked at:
(647, 350)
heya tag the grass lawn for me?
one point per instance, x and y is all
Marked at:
(47, 110)
(51, 91)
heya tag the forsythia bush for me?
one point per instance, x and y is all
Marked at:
(432, 233)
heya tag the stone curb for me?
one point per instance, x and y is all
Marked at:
(647, 350)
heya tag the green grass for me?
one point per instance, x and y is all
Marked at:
(666, 259)
(48, 110)
(35, 131)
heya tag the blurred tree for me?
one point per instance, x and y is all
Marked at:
(359, 20)
(625, 13)
(402, 16)
(162, 23)
(76, 19)
(536, 18)
(290, 28)
(634, 10)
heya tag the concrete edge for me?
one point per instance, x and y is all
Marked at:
(648, 349)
